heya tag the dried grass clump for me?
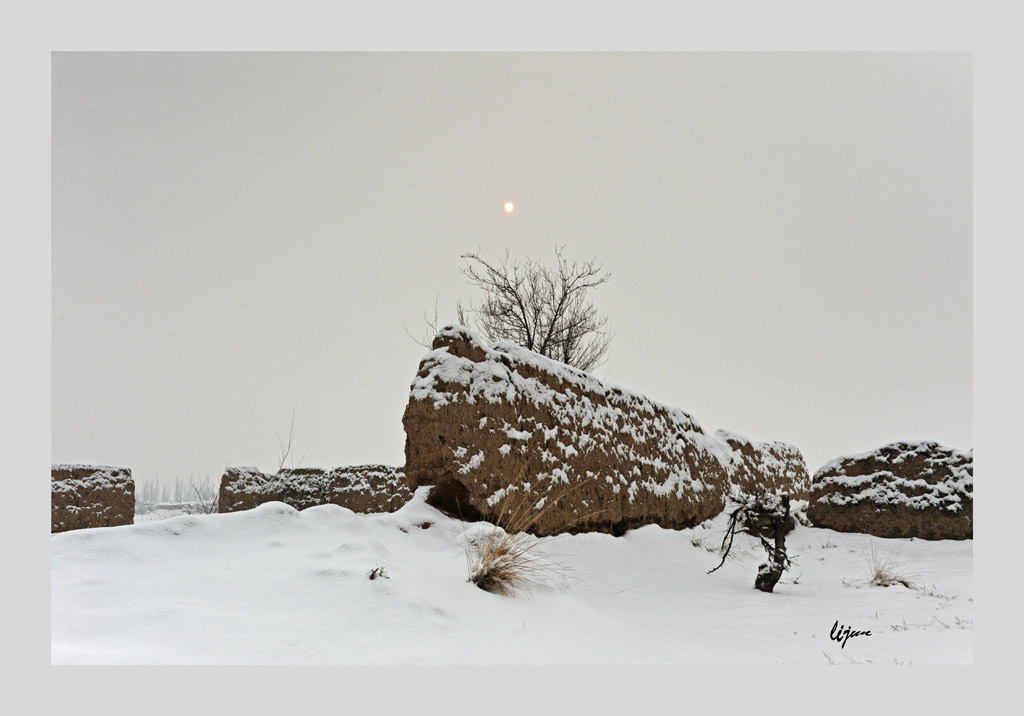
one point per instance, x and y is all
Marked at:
(502, 562)
(887, 571)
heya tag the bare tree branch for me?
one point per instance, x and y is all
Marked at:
(542, 308)
(284, 447)
(427, 340)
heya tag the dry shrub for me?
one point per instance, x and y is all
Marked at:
(887, 571)
(502, 562)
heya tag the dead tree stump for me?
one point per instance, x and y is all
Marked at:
(762, 516)
(769, 573)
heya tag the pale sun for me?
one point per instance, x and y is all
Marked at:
(509, 207)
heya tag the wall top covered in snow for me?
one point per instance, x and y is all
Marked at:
(84, 496)
(360, 488)
(490, 425)
(903, 489)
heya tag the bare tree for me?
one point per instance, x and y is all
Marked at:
(543, 308)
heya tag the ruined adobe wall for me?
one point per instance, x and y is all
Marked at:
(771, 466)
(360, 488)
(492, 427)
(90, 496)
(904, 489)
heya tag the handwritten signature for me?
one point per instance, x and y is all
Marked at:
(842, 634)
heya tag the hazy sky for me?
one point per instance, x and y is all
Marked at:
(240, 236)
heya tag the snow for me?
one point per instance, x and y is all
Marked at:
(883, 487)
(901, 450)
(518, 434)
(474, 462)
(274, 585)
(892, 490)
(88, 466)
(93, 477)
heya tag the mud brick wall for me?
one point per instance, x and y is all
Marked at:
(360, 488)
(90, 496)
(904, 489)
(772, 466)
(492, 428)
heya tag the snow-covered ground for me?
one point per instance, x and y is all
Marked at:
(277, 586)
(162, 513)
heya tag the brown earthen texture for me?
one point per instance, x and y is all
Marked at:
(773, 466)
(90, 496)
(494, 429)
(905, 489)
(360, 488)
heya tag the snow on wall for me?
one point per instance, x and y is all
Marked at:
(83, 496)
(775, 465)
(903, 489)
(503, 421)
(360, 488)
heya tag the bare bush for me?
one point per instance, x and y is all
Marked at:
(502, 561)
(887, 571)
(206, 497)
